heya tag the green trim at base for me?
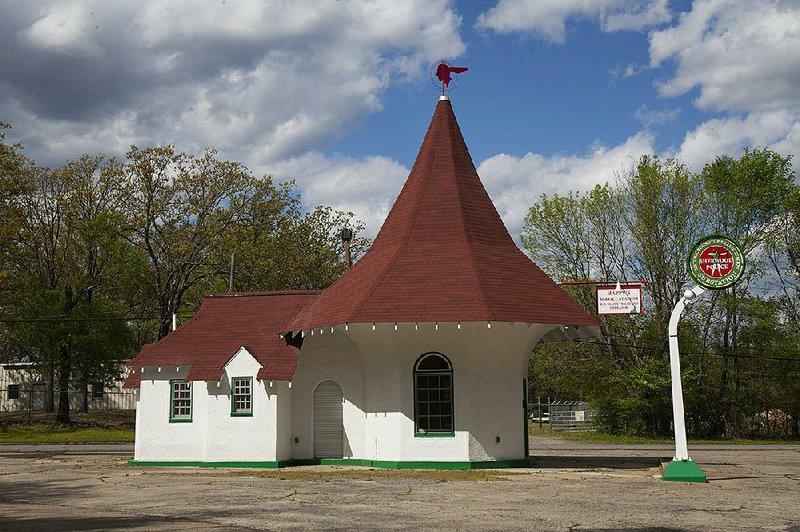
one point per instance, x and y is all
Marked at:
(381, 464)
(683, 471)
(249, 465)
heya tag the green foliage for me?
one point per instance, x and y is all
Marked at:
(188, 215)
(735, 383)
(90, 248)
(636, 400)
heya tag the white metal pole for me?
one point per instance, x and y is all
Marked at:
(681, 449)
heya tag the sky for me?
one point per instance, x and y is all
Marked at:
(336, 95)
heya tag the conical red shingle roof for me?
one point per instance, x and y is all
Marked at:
(443, 254)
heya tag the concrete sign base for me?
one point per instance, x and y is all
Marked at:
(683, 471)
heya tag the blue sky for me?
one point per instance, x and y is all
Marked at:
(560, 95)
(526, 93)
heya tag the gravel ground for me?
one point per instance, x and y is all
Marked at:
(572, 487)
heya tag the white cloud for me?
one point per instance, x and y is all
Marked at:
(64, 29)
(743, 55)
(55, 142)
(637, 16)
(628, 71)
(548, 18)
(262, 81)
(514, 183)
(777, 130)
(651, 117)
(790, 145)
(367, 187)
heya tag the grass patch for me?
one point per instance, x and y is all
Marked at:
(65, 434)
(334, 473)
(620, 439)
(98, 426)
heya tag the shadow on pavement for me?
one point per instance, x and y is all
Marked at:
(645, 529)
(103, 523)
(608, 462)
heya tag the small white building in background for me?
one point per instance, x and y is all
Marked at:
(415, 357)
(22, 389)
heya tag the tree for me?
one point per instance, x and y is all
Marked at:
(13, 165)
(178, 209)
(745, 200)
(733, 340)
(67, 254)
(280, 250)
(188, 215)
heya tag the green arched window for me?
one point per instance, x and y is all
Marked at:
(433, 395)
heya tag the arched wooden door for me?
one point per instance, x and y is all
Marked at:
(328, 425)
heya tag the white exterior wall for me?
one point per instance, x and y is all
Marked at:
(284, 424)
(213, 435)
(156, 438)
(374, 368)
(328, 356)
(241, 438)
(375, 371)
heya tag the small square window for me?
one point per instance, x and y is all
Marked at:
(180, 400)
(13, 391)
(242, 396)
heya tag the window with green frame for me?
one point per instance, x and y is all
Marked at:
(180, 403)
(433, 396)
(242, 396)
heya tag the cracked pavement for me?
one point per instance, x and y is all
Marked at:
(571, 487)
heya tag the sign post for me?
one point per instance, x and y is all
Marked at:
(715, 262)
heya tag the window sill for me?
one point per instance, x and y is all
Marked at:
(434, 434)
(180, 420)
(241, 414)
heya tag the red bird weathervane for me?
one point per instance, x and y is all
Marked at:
(443, 71)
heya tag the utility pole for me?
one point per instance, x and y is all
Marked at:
(232, 272)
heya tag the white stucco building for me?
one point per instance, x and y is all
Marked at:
(417, 356)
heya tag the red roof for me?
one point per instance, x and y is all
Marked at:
(225, 323)
(443, 254)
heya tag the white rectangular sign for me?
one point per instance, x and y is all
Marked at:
(625, 300)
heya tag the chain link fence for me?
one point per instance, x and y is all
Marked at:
(571, 415)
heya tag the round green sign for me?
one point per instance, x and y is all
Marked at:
(716, 262)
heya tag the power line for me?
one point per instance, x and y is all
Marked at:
(744, 347)
(81, 320)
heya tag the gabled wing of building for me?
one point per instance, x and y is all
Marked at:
(224, 324)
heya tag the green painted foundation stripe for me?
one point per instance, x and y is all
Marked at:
(164, 464)
(250, 465)
(382, 464)
(683, 471)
